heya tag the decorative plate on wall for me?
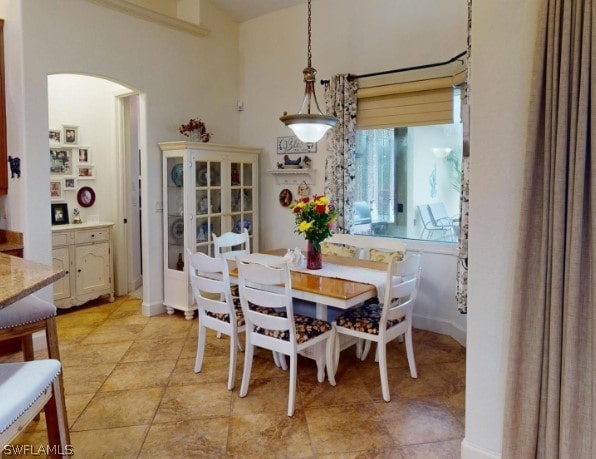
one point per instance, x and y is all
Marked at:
(86, 196)
(285, 197)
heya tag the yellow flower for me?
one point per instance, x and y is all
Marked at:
(322, 200)
(304, 226)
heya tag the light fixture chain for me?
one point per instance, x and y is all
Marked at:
(309, 30)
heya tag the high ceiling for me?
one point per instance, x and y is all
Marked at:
(243, 10)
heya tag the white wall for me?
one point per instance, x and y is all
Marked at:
(178, 75)
(504, 32)
(346, 38)
(90, 104)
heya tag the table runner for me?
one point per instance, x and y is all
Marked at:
(334, 270)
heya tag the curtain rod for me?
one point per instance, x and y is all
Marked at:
(404, 69)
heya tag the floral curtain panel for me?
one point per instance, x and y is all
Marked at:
(461, 295)
(340, 99)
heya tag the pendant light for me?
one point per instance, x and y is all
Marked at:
(309, 127)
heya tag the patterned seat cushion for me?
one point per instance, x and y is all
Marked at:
(306, 327)
(385, 256)
(224, 317)
(364, 319)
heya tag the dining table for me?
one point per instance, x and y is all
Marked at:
(342, 283)
(333, 285)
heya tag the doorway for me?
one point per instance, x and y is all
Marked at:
(105, 116)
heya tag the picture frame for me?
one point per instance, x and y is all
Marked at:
(86, 172)
(60, 214)
(86, 196)
(61, 161)
(70, 183)
(70, 135)
(56, 189)
(55, 135)
(84, 155)
(291, 144)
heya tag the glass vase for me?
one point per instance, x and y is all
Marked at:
(314, 257)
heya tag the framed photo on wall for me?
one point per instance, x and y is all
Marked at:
(84, 155)
(70, 183)
(86, 172)
(55, 136)
(70, 135)
(60, 161)
(56, 189)
(60, 214)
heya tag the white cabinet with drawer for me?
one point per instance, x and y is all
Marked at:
(84, 252)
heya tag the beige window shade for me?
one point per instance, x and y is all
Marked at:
(412, 103)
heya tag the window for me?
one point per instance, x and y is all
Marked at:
(408, 177)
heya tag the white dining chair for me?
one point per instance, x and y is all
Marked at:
(26, 388)
(230, 245)
(382, 323)
(210, 282)
(266, 299)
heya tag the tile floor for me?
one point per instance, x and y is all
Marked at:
(131, 393)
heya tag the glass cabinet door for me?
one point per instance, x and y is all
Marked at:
(208, 192)
(242, 196)
(175, 213)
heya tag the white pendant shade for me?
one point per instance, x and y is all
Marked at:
(309, 127)
(309, 133)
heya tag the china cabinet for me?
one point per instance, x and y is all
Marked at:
(207, 189)
(84, 252)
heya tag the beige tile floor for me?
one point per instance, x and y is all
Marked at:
(131, 393)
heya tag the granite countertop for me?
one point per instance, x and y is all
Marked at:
(10, 240)
(20, 278)
(72, 226)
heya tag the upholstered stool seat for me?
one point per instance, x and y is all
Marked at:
(29, 310)
(25, 389)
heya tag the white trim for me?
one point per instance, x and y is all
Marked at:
(470, 451)
(441, 248)
(442, 326)
(152, 309)
(153, 16)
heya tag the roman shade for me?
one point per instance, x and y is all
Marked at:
(411, 103)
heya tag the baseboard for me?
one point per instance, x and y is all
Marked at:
(133, 285)
(470, 451)
(441, 326)
(152, 309)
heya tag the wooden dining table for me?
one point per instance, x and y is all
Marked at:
(326, 291)
(330, 291)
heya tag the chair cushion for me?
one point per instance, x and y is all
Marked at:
(306, 327)
(21, 384)
(29, 310)
(340, 250)
(364, 319)
(385, 256)
(224, 317)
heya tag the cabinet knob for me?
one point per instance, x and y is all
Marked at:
(93, 235)
(65, 272)
(78, 270)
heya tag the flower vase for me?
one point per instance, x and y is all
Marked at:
(314, 257)
(194, 136)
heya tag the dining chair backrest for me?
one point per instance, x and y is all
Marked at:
(269, 288)
(231, 245)
(210, 283)
(438, 214)
(403, 279)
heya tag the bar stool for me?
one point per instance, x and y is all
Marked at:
(24, 317)
(25, 389)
